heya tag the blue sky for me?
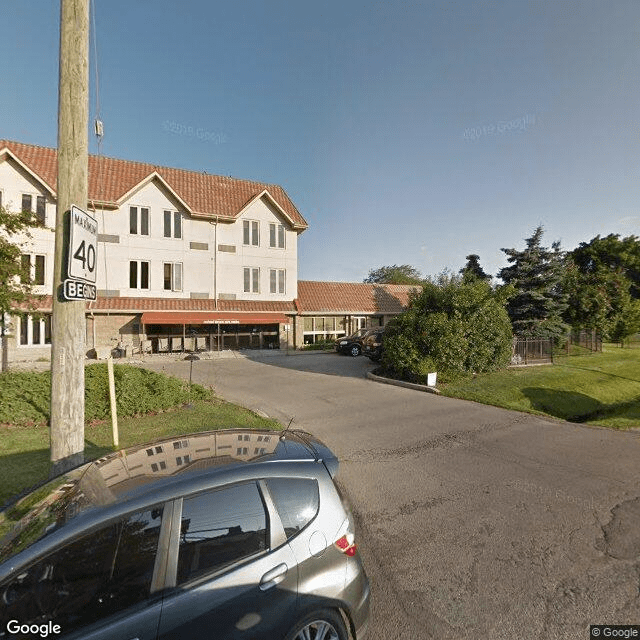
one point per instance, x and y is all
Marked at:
(405, 132)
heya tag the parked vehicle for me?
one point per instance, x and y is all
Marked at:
(352, 345)
(372, 345)
(227, 534)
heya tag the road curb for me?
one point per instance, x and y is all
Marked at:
(400, 383)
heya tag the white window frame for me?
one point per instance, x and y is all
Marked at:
(138, 230)
(28, 322)
(175, 224)
(253, 279)
(278, 281)
(139, 275)
(175, 278)
(277, 236)
(251, 233)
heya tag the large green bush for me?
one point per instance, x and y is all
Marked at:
(26, 395)
(453, 326)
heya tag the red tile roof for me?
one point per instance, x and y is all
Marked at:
(110, 179)
(352, 297)
(137, 305)
(313, 298)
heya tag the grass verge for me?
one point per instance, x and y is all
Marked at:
(598, 389)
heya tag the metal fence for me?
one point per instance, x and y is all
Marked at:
(541, 350)
(531, 351)
(585, 339)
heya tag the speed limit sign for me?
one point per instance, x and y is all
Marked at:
(83, 244)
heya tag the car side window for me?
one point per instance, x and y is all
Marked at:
(297, 501)
(220, 528)
(89, 579)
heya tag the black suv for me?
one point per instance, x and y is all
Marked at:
(352, 345)
(372, 345)
(231, 534)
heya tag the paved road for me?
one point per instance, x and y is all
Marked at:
(474, 522)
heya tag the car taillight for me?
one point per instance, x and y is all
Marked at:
(347, 545)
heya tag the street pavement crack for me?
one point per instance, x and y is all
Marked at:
(622, 533)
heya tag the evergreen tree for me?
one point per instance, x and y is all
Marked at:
(473, 269)
(538, 302)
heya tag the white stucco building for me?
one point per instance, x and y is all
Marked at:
(186, 261)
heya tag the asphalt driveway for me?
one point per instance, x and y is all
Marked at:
(474, 522)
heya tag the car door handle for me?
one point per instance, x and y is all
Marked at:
(273, 577)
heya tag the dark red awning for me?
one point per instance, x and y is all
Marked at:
(212, 317)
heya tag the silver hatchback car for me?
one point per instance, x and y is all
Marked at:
(231, 534)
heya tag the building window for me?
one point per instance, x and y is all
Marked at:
(251, 233)
(39, 270)
(172, 224)
(33, 268)
(26, 202)
(41, 215)
(251, 280)
(173, 276)
(138, 274)
(276, 235)
(27, 205)
(139, 221)
(277, 281)
(35, 330)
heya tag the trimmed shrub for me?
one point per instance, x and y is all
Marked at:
(453, 326)
(26, 395)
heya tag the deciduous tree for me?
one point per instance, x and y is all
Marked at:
(15, 286)
(395, 274)
(453, 325)
(602, 282)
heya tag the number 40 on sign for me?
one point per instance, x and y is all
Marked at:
(83, 240)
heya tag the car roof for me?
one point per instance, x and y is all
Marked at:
(150, 472)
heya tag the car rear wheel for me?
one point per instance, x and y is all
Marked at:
(354, 350)
(320, 625)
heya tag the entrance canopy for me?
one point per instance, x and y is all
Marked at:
(212, 317)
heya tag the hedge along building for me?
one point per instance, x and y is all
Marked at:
(186, 261)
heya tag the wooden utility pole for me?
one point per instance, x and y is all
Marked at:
(68, 331)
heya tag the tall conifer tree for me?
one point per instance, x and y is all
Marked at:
(535, 272)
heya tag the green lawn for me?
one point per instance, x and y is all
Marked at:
(599, 389)
(24, 446)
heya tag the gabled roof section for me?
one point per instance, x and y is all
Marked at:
(40, 171)
(111, 180)
(265, 194)
(352, 297)
(150, 178)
